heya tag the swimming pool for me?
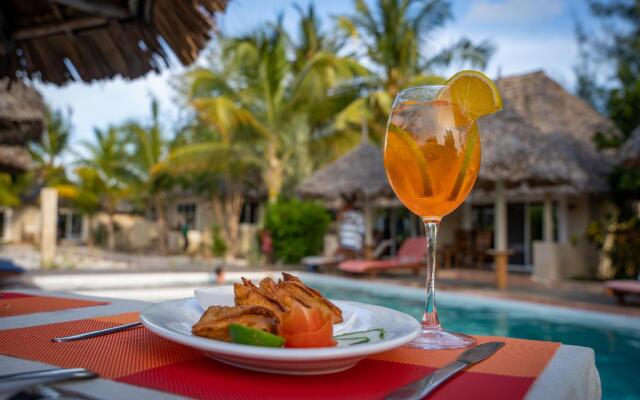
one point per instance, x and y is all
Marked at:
(615, 339)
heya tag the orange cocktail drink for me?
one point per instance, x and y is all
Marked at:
(432, 156)
(432, 159)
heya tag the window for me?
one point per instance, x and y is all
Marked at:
(62, 226)
(69, 225)
(249, 214)
(482, 217)
(187, 214)
(76, 225)
(152, 215)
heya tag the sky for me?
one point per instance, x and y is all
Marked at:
(529, 35)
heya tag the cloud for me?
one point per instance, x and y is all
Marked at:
(516, 54)
(110, 102)
(514, 11)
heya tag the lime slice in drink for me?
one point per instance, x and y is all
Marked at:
(476, 95)
(470, 144)
(244, 335)
(406, 138)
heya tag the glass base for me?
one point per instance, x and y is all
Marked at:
(434, 339)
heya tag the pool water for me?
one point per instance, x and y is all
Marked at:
(615, 339)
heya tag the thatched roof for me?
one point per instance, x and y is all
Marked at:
(14, 159)
(22, 113)
(61, 40)
(629, 152)
(541, 141)
(546, 105)
(512, 151)
(361, 171)
(517, 153)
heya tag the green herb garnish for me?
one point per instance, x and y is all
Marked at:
(359, 337)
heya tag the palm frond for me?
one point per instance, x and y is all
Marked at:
(463, 52)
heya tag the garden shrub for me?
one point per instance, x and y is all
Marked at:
(218, 245)
(297, 228)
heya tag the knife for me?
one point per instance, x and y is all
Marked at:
(424, 386)
(58, 373)
(16, 382)
(99, 332)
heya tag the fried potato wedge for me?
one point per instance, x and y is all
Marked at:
(249, 294)
(309, 297)
(215, 321)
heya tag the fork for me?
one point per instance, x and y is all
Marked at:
(99, 332)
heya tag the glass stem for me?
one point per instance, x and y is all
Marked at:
(430, 318)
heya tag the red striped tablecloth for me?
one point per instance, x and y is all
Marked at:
(138, 357)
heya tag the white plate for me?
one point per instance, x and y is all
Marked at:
(173, 320)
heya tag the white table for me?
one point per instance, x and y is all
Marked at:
(571, 373)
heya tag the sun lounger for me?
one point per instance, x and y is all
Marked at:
(410, 256)
(313, 263)
(327, 262)
(622, 287)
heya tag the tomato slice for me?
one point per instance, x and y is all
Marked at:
(307, 327)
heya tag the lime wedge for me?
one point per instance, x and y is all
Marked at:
(470, 144)
(255, 337)
(476, 95)
(418, 156)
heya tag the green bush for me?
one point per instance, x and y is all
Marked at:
(297, 229)
(218, 245)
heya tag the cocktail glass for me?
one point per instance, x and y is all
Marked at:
(432, 159)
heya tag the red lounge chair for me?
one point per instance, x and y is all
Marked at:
(410, 256)
(621, 288)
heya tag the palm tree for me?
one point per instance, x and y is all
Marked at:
(85, 194)
(49, 151)
(393, 34)
(10, 189)
(221, 168)
(260, 95)
(149, 149)
(107, 156)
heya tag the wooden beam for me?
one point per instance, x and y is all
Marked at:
(99, 7)
(55, 28)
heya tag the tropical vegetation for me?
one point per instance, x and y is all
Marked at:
(608, 76)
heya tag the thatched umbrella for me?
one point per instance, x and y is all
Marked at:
(629, 153)
(14, 159)
(359, 172)
(22, 113)
(61, 40)
(22, 120)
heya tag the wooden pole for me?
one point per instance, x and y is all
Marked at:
(48, 225)
(501, 254)
(58, 27)
(547, 219)
(500, 218)
(393, 229)
(563, 220)
(100, 7)
(368, 226)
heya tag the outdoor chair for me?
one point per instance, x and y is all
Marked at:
(481, 246)
(410, 256)
(9, 271)
(620, 288)
(457, 254)
(329, 262)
